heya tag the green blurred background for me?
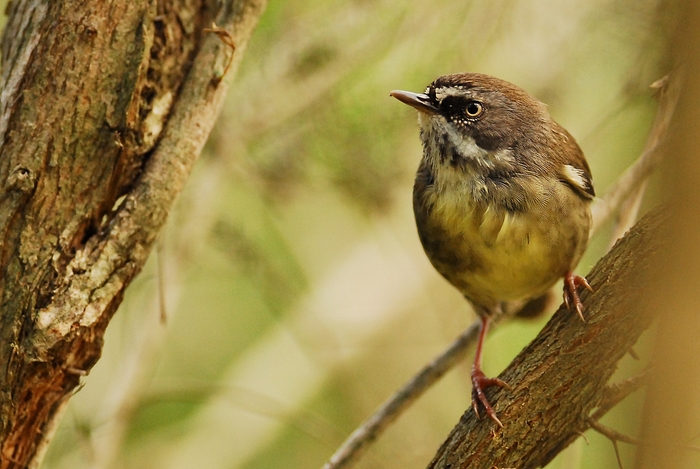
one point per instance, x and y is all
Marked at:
(297, 295)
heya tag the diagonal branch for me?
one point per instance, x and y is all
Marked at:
(613, 394)
(360, 440)
(631, 184)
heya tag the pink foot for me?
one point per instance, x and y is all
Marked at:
(571, 298)
(479, 383)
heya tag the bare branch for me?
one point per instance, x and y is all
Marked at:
(358, 442)
(611, 434)
(615, 436)
(630, 185)
(613, 394)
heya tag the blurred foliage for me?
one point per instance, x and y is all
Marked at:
(297, 295)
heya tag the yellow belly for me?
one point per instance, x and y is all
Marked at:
(519, 259)
(493, 255)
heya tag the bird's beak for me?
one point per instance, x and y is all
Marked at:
(415, 100)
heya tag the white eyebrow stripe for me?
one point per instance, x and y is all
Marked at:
(442, 93)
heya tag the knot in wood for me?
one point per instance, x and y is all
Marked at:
(21, 179)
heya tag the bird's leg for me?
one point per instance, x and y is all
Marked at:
(480, 381)
(571, 298)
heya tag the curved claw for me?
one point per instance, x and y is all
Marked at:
(571, 297)
(479, 383)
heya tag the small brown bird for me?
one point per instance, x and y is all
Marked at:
(501, 198)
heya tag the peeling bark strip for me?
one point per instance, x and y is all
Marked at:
(562, 377)
(104, 108)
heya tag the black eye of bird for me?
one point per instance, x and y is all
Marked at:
(474, 109)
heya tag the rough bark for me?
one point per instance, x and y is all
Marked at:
(561, 381)
(104, 108)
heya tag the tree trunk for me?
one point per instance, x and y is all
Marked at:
(105, 107)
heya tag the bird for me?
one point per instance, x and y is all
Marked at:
(501, 199)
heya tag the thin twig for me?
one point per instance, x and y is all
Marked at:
(227, 39)
(627, 214)
(613, 395)
(361, 438)
(633, 354)
(614, 437)
(611, 434)
(616, 393)
(617, 454)
(583, 435)
(668, 89)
